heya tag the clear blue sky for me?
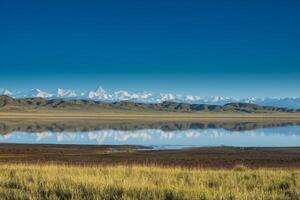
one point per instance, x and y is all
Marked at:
(229, 48)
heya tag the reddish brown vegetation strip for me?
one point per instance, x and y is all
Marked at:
(211, 157)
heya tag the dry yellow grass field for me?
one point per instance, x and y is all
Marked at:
(146, 182)
(145, 115)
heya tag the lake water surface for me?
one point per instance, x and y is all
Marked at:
(155, 134)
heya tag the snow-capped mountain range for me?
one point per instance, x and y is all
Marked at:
(147, 97)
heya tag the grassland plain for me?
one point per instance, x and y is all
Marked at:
(45, 114)
(146, 182)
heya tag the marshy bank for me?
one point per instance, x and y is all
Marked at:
(198, 157)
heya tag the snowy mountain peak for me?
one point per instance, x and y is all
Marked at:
(33, 93)
(5, 92)
(167, 97)
(100, 90)
(99, 94)
(61, 93)
(192, 98)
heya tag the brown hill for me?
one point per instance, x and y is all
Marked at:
(8, 103)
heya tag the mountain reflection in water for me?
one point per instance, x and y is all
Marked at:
(161, 134)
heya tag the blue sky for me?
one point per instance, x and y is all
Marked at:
(232, 48)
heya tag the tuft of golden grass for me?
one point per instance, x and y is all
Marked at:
(145, 182)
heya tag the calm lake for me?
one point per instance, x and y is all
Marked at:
(159, 135)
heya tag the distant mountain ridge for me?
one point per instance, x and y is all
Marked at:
(147, 97)
(8, 103)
